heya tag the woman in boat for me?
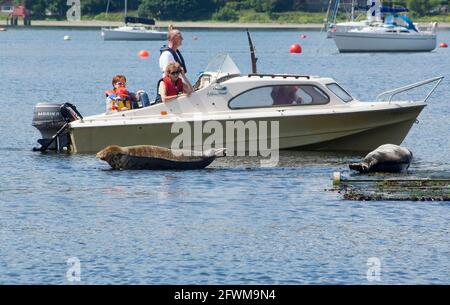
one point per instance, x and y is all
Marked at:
(170, 53)
(174, 84)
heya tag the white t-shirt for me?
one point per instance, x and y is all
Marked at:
(165, 59)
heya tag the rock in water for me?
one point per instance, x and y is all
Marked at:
(156, 158)
(386, 158)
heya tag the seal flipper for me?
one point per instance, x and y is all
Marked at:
(360, 167)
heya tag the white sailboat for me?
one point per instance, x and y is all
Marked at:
(386, 32)
(133, 32)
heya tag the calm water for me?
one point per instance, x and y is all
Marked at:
(233, 223)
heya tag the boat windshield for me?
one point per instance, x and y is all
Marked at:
(340, 92)
(222, 64)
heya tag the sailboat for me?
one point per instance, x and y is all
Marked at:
(331, 26)
(386, 32)
(133, 32)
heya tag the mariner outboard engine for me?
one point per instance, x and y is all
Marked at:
(52, 121)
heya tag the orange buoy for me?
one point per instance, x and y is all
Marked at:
(443, 45)
(296, 48)
(143, 54)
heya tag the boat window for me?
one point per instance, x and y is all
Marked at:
(341, 93)
(285, 95)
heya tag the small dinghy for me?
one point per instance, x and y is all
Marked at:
(157, 158)
(386, 158)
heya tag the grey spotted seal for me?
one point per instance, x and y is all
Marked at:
(386, 158)
(156, 158)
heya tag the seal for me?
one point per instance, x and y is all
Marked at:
(386, 158)
(156, 158)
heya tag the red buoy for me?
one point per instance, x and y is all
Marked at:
(296, 48)
(443, 45)
(143, 54)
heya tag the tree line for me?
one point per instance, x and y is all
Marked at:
(197, 9)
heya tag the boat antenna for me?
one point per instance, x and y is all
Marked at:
(252, 53)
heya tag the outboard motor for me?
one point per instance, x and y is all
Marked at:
(52, 120)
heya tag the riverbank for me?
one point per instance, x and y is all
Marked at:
(94, 24)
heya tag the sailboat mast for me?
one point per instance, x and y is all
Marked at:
(107, 8)
(336, 9)
(328, 10)
(353, 10)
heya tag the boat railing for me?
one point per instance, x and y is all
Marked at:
(279, 76)
(430, 27)
(391, 93)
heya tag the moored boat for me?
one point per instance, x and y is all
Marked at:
(146, 31)
(385, 38)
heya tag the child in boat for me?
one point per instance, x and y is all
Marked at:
(120, 99)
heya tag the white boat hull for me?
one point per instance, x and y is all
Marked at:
(347, 131)
(385, 42)
(129, 34)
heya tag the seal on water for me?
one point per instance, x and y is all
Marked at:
(156, 158)
(386, 158)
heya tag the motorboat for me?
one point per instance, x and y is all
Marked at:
(134, 32)
(310, 112)
(384, 31)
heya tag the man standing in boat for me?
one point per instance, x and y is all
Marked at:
(170, 53)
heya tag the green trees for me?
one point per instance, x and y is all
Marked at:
(59, 8)
(41, 7)
(422, 7)
(93, 7)
(224, 10)
(176, 9)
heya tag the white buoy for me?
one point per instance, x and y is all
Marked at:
(67, 37)
(336, 178)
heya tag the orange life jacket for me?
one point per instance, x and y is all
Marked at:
(124, 99)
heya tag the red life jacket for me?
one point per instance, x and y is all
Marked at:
(172, 89)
